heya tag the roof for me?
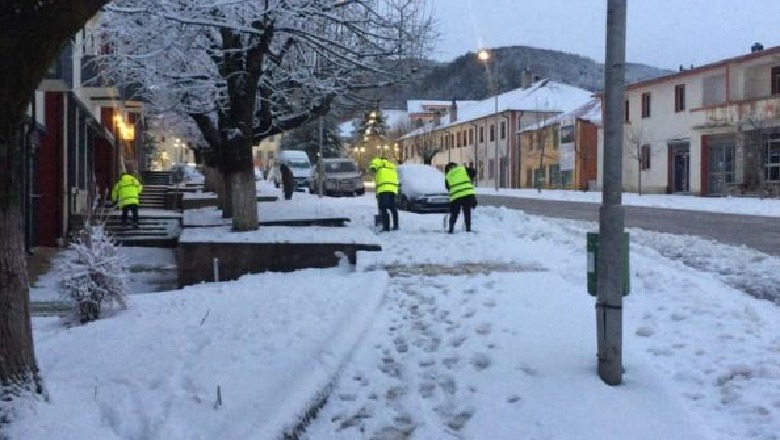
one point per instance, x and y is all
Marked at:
(712, 66)
(416, 106)
(590, 111)
(542, 96)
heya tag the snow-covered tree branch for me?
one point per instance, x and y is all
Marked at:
(255, 69)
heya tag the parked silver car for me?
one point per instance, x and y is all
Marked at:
(341, 177)
(421, 188)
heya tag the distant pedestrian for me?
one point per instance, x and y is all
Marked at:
(126, 193)
(288, 181)
(462, 194)
(386, 190)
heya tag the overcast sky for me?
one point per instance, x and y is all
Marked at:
(661, 33)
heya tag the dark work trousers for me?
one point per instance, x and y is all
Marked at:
(463, 203)
(386, 202)
(134, 209)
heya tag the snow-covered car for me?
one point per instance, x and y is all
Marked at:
(421, 189)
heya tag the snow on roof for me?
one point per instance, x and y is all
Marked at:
(416, 106)
(545, 95)
(590, 111)
(542, 96)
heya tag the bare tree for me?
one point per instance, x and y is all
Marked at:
(248, 70)
(32, 35)
(754, 132)
(639, 149)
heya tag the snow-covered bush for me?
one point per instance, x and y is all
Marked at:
(96, 276)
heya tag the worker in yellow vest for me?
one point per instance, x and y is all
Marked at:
(126, 193)
(462, 194)
(386, 190)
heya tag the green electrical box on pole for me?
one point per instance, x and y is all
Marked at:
(593, 251)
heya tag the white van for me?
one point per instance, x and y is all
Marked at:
(299, 164)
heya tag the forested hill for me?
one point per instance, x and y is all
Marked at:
(465, 78)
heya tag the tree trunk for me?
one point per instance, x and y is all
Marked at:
(223, 195)
(211, 176)
(27, 52)
(639, 177)
(240, 184)
(244, 200)
(18, 368)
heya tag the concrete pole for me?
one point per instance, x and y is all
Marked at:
(609, 282)
(320, 175)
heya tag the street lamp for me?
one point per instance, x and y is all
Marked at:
(178, 145)
(484, 56)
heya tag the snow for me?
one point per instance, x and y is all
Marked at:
(421, 179)
(473, 335)
(544, 95)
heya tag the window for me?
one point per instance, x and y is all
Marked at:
(457, 137)
(776, 80)
(645, 105)
(471, 136)
(714, 89)
(529, 178)
(679, 97)
(772, 162)
(644, 157)
(503, 129)
(628, 115)
(491, 168)
(492, 133)
(481, 134)
(555, 138)
(481, 170)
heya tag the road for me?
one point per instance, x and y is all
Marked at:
(757, 232)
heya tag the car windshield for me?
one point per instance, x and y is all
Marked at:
(298, 164)
(340, 167)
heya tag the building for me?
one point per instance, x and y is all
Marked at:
(80, 135)
(709, 130)
(561, 152)
(263, 153)
(483, 134)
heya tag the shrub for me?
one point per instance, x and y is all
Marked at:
(96, 276)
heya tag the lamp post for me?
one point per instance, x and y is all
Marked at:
(484, 56)
(177, 145)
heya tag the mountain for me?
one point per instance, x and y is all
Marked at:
(465, 76)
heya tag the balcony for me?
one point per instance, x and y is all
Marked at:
(744, 114)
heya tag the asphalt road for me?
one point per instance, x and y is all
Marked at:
(757, 232)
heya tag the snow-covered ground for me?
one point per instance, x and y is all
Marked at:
(477, 335)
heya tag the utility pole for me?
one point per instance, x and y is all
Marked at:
(319, 161)
(610, 264)
(495, 133)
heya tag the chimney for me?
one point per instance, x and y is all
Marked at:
(756, 47)
(453, 111)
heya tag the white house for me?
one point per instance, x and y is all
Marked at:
(709, 130)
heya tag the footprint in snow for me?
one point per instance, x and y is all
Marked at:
(480, 361)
